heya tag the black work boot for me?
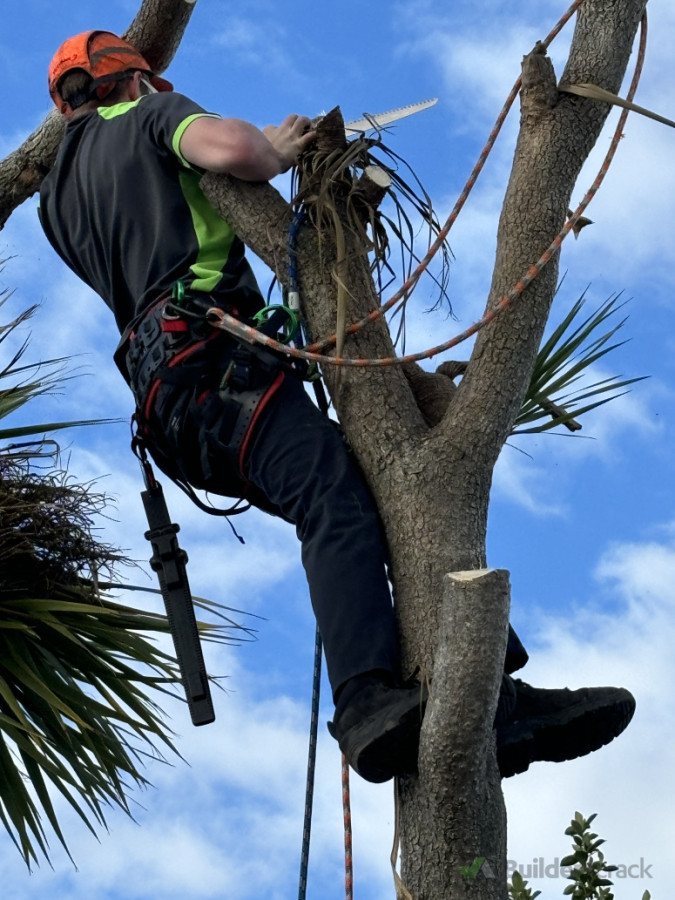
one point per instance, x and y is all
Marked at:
(557, 725)
(378, 727)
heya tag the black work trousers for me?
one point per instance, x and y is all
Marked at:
(297, 466)
(301, 464)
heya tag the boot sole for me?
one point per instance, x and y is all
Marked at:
(566, 735)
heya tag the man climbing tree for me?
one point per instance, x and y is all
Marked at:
(124, 209)
(191, 387)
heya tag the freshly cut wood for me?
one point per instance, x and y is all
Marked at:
(373, 185)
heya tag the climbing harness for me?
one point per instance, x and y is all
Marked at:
(230, 383)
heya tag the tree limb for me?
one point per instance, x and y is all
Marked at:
(458, 785)
(557, 133)
(156, 31)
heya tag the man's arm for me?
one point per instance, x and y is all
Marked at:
(241, 149)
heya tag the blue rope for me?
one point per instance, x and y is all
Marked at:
(293, 292)
(293, 302)
(311, 767)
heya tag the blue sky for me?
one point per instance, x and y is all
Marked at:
(585, 525)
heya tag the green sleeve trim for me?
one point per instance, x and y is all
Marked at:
(180, 131)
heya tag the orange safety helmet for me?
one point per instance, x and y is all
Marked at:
(104, 56)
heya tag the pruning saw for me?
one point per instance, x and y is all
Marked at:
(380, 120)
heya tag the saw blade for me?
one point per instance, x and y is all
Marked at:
(379, 120)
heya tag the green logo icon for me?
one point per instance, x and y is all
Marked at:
(472, 870)
(480, 864)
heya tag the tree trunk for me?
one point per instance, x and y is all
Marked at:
(457, 796)
(432, 482)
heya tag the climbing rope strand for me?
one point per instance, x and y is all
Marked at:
(311, 767)
(560, 24)
(347, 814)
(228, 323)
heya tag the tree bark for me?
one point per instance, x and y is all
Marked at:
(458, 788)
(431, 478)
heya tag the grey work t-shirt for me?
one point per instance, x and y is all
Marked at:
(125, 212)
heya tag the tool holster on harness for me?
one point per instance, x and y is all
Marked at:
(230, 413)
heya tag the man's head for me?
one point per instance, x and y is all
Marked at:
(92, 66)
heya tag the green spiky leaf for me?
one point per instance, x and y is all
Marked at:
(568, 354)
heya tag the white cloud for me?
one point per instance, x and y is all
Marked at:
(478, 53)
(519, 479)
(258, 42)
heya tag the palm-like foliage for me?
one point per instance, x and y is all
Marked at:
(38, 378)
(564, 360)
(78, 671)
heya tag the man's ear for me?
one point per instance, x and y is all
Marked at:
(134, 85)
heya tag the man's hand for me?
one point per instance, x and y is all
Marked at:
(290, 138)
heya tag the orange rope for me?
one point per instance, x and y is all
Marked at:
(228, 323)
(347, 813)
(407, 288)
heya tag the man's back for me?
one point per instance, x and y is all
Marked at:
(124, 210)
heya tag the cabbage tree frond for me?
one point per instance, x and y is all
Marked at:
(566, 360)
(82, 676)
